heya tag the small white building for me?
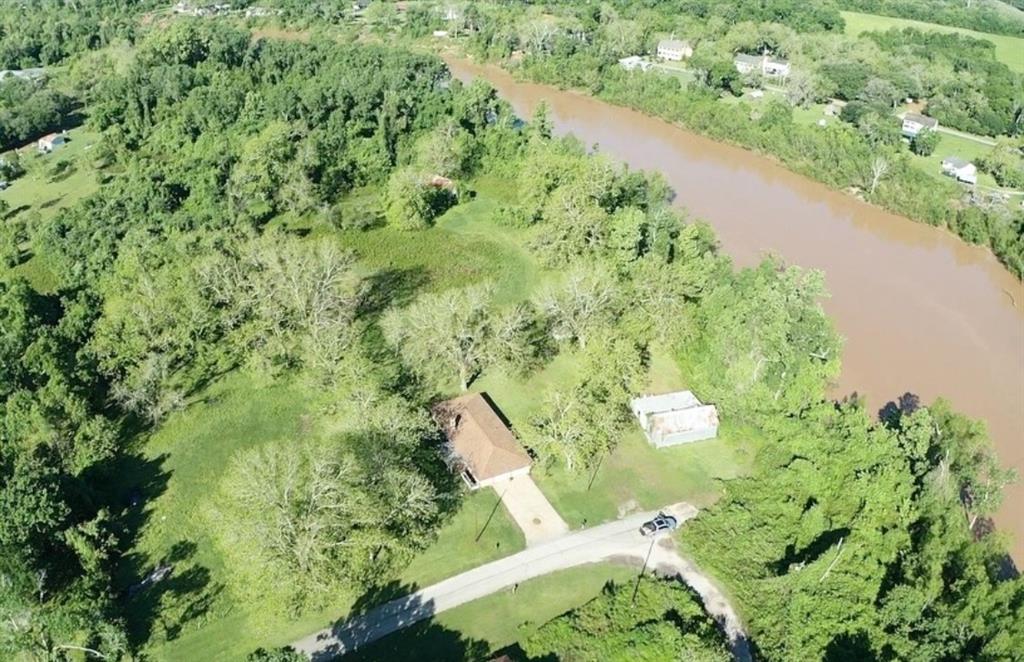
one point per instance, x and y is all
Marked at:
(913, 123)
(24, 74)
(763, 64)
(746, 64)
(773, 66)
(634, 62)
(960, 170)
(440, 34)
(675, 418)
(50, 142)
(674, 50)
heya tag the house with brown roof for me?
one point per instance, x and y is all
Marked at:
(484, 449)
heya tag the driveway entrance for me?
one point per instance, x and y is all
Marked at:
(530, 509)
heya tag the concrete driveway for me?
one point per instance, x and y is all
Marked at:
(530, 509)
(614, 540)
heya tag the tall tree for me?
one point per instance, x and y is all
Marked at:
(446, 335)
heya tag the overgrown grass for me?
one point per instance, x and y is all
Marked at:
(465, 246)
(496, 621)
(1009, 50)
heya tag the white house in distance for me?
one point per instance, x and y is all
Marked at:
(675, 418)
(914, 122)
(960, 170)
(484, 448)
(50, 142)
(773, 66)
(674, 49)
(765, 64)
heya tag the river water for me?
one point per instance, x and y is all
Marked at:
(921, 311)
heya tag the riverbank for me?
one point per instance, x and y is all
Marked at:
(922, 312)
(836, 155)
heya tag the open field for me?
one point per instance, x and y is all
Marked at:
(487, 625)
(51, 182)
(1009, 50)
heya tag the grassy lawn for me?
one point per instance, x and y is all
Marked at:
(40, 191)
(636, 475)
(482, 531)
(496, 621)
(194, 616)
(1009, 50)
(677, 69)
(951, 145)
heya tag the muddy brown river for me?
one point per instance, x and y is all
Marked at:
(921, 311)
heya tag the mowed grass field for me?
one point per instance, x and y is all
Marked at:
(636, 476)
(1009, 50)
(195, 615)
(44, 191)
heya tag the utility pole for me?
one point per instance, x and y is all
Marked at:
(643, 569)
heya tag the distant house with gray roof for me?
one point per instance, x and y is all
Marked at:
(913, 123)
(960, 169)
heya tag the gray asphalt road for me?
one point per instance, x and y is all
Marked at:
(619, 539)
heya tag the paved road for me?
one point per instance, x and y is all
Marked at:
(968, 136)
(619, 539)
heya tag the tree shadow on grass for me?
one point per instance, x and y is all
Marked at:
(392, 287)
(392, 623)
(849, 647)
(14, 211)
(169, 595)
(163, 595)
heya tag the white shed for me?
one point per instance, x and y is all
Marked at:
(675, 418)
(960, 170)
